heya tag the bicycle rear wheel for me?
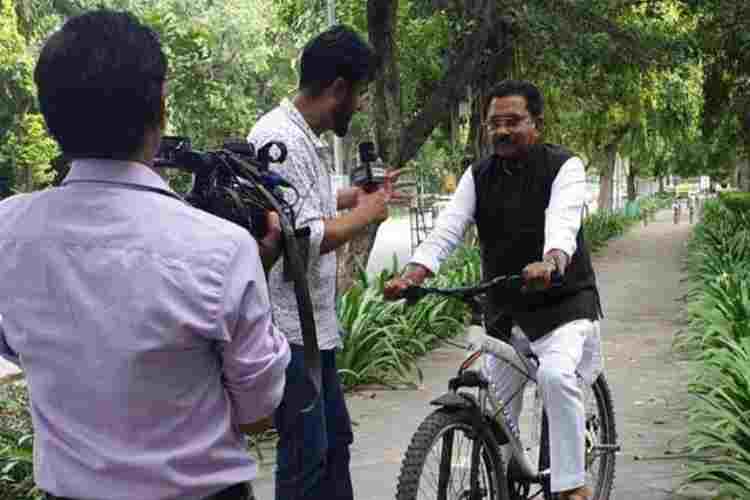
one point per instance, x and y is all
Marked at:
(601, 442)
(438, 462)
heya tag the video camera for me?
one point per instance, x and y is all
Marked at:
(233, 183)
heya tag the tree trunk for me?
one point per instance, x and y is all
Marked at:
(473, 150)
(745, 162)
(498, 68)
(661, 183)
(743, 175)
(382, 21)
(606, 178)
(632, 183)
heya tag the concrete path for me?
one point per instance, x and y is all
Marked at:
(639, 276)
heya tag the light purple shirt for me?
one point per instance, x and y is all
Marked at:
(144, 330)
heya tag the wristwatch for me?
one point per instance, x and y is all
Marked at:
(554, 262)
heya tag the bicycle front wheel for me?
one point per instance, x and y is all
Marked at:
(440, 465)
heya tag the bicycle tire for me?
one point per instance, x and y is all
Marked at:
(606, 411)
(434, 427)
(605, 465)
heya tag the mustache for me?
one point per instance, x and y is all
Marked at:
(502, 140)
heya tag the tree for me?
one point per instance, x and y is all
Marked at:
(722, 38)
(32, 151)
(16, 86)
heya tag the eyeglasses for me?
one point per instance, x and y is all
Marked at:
(510, 123)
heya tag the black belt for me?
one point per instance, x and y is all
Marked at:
(241, 491)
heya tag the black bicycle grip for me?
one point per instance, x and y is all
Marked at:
(412, 294)
(556, 278)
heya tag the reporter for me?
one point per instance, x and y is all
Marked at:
(143, 325)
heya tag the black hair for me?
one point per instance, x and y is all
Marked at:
(534, 99)
(339, 52)
(99, 81)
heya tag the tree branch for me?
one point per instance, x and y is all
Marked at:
(466, 68)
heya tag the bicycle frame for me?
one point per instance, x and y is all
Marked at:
(509, 352)
(481, 343)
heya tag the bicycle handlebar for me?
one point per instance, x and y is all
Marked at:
(413, 294)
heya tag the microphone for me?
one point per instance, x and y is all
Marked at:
(369, 174)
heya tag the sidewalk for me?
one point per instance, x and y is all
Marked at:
(639, 276)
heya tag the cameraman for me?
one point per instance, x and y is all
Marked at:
(335, 70)
(143, 325)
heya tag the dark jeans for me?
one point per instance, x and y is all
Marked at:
(242, 491)
(313, 448)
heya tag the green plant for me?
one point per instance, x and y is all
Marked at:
(383, 340)
(718, 338)
(736, 201)
(16, 445)
(600, 227)
(720, 420)
(649, 205)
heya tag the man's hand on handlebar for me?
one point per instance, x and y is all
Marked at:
(539, 276)
(413, 275)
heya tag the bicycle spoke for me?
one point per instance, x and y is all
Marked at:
(441, 477)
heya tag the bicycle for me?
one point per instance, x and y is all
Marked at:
(487, 425)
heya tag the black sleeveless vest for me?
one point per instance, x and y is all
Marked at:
(510, 215)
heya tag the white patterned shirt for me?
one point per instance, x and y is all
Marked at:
(309, 168)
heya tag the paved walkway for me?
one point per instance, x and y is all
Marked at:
(639, 277)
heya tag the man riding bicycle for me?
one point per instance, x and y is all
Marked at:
(526, 199)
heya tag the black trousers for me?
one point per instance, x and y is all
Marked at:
(242, 491)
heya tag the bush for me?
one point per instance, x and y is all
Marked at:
(736, 202)
(603, 226)
(718, 339)
(16, 445)
(720, 420)
(384, 339)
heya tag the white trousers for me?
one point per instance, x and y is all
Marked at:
(572, 348)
